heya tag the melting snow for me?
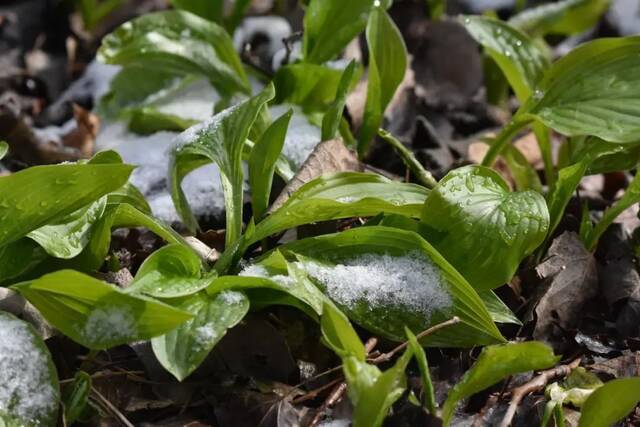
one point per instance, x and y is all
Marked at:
(205, 334)
(107, 324)
(231, 297)
(256, 270)
(25, 380)
(302, 136)
(409, 281)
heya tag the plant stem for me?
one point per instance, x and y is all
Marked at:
(503, 138)
(423, 175)
(542, 135)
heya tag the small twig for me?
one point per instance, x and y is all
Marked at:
(338, 391)
(207, 254)
(314, 393)
(536, 384)
(385, 357)
(111, 408)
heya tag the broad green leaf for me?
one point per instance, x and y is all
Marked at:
(329, 25)
(171, 271)
(76, 397)
(18, 258)
(29, 390)
(609, 156)
(521, 60)
(148, 120)
(262, 163)
(592, 91)
(342, 195)
(177, 42)
(137, 86)
(373, 392)
(274, 277)
(312, 87)
(340, 335)
(96, 314)
(68, 236)
(387, 65)
(423, 365)
(496, 363)
(480, 227)
(213, 10)
(333, 116)
(54, 192)
(611, 402)
(426, 289)
(4, 149)
(183, 349)
(498, 310)
(563, 17)
(221, 140)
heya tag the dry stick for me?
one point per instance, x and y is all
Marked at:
(111, 408)
(385, 357)
(536, 384)
(336, 394)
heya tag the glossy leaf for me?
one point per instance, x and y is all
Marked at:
(28, 379)
(177, 42)
(312, 87)
(340, 335)
(342, 195)
(213, 10)
(611, 402)
(387, 65)
(423, 365)
(183, 349)
(373, 392)
(563, 17)
(148, 120)
(96, 314)
(54, 192)
(521, 60)
(68, 236)
(76, 397)
(333, 116)
(494, 364)
(480, 227)
(389, 318)
(221, 140)
(592, 91)
(171, 271)
(329, 25)
(262, 163)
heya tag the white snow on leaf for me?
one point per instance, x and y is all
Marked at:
(231, 297)
(257, 270)
(26, 391)
(109, 324)
(410, 281)
(205, 334)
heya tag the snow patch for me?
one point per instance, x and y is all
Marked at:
(231, 297)
(205, 335)
(256, 270)
(410, 281)
(302, 136)
(108, 324)
(25, 380)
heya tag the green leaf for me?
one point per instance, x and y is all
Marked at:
(563, 17)
(76, 397)
(387, 65)
(333, 116)
(496, 363)
(213, 10)
(423, 365)
(54, 192)
(262, 163)
(437, 8)
(498, 310)
(311, 86)
(340, 335)
(136, 86)
(4, 149)
(171, 271)
(342, 195)
(67, 237)
(611, 402)
(96, 314)
(177, 42)
(148, 120)
(329, 25)
(481, 228)
(18, 258)
(521, 60)
(373, 392)
(183, 349)
(428, 292)
(28, 379)
(592, 91)
(221, 140)
(568, 179)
